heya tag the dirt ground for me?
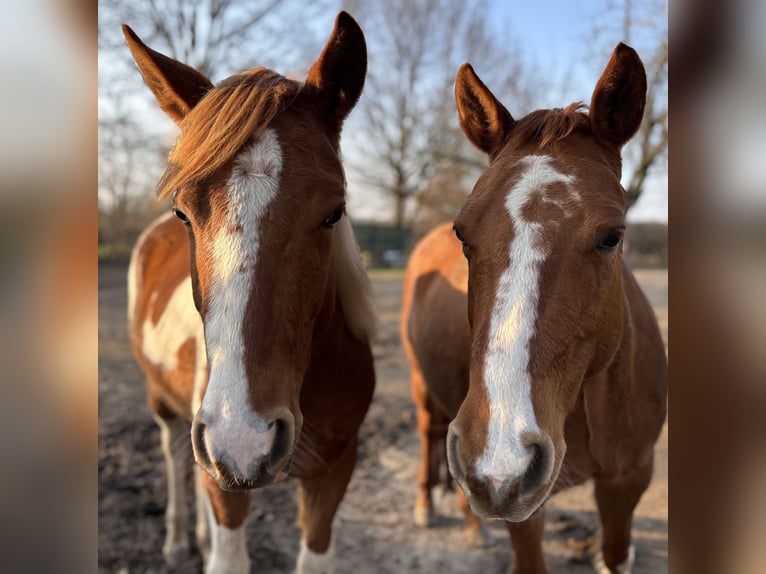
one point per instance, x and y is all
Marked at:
(373, 530)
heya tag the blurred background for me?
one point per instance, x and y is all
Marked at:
(408, 164)
(547, 53)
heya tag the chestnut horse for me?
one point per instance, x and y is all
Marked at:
(273, 369)
(530, 333)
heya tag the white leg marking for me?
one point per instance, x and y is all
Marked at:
(600, 567)
(232, 425)
(202, 526)
(506, 365)
(228, 551)
(310, 562)
(176, 448)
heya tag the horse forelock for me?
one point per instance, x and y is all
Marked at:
(547, 127)
(239, 108)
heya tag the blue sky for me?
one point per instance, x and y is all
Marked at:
(558, 38)
(550, 32)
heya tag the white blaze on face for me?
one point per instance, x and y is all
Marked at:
(512, 324)
(251, 188)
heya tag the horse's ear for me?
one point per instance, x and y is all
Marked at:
(338, 75)
(176, 86)
(483, 118)
(617, 105)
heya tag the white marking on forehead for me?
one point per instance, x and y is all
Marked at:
(512, 324)
(251, 188)
(540, 174)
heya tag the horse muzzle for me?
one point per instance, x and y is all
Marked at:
(244, 454)
(512, 491)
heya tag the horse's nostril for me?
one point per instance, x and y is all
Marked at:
(538, 468)
(453, 459)
(198, 442)
(282, 445)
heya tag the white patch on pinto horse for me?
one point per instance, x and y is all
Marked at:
(506, 364)
(232, 425)
(134, 268)
(178, 323)
(310, 562)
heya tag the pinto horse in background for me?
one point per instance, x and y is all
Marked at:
(272, 374)
(557, 371)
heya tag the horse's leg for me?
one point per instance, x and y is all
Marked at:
(432, 428)
(176, 447)
(202, 526)
(319, 500)
(616, 502)
(474, 531)
(527, 541)
(227, 511)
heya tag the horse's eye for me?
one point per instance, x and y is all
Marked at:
(462, 240)
(181, 215)
(610, 241)
(459, 236)
(330, 221)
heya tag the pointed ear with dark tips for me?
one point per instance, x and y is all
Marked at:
(617, 105)
(483, 118)
(176, 86)
(338, 75)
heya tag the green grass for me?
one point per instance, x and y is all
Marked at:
(111, 253)
(386, 273)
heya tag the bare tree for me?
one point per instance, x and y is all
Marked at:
(217, 37)
(643, 25)
(445, 192)
(651, 143)
(129, 163)
(410, 126)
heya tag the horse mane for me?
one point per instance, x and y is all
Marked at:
(551, 126)
(353, 285)
(229, 114)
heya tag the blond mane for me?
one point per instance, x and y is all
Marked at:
(353, 284)
(232, 112)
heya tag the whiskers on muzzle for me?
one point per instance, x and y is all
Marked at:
(512, 483)
(243, 455)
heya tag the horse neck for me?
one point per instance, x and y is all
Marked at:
(346, 320)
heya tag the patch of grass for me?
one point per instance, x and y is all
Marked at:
(113, 253)
(386, 273)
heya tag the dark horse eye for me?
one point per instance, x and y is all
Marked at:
(610, 241)
(181, 215)
(330, 221)
(462, 240)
